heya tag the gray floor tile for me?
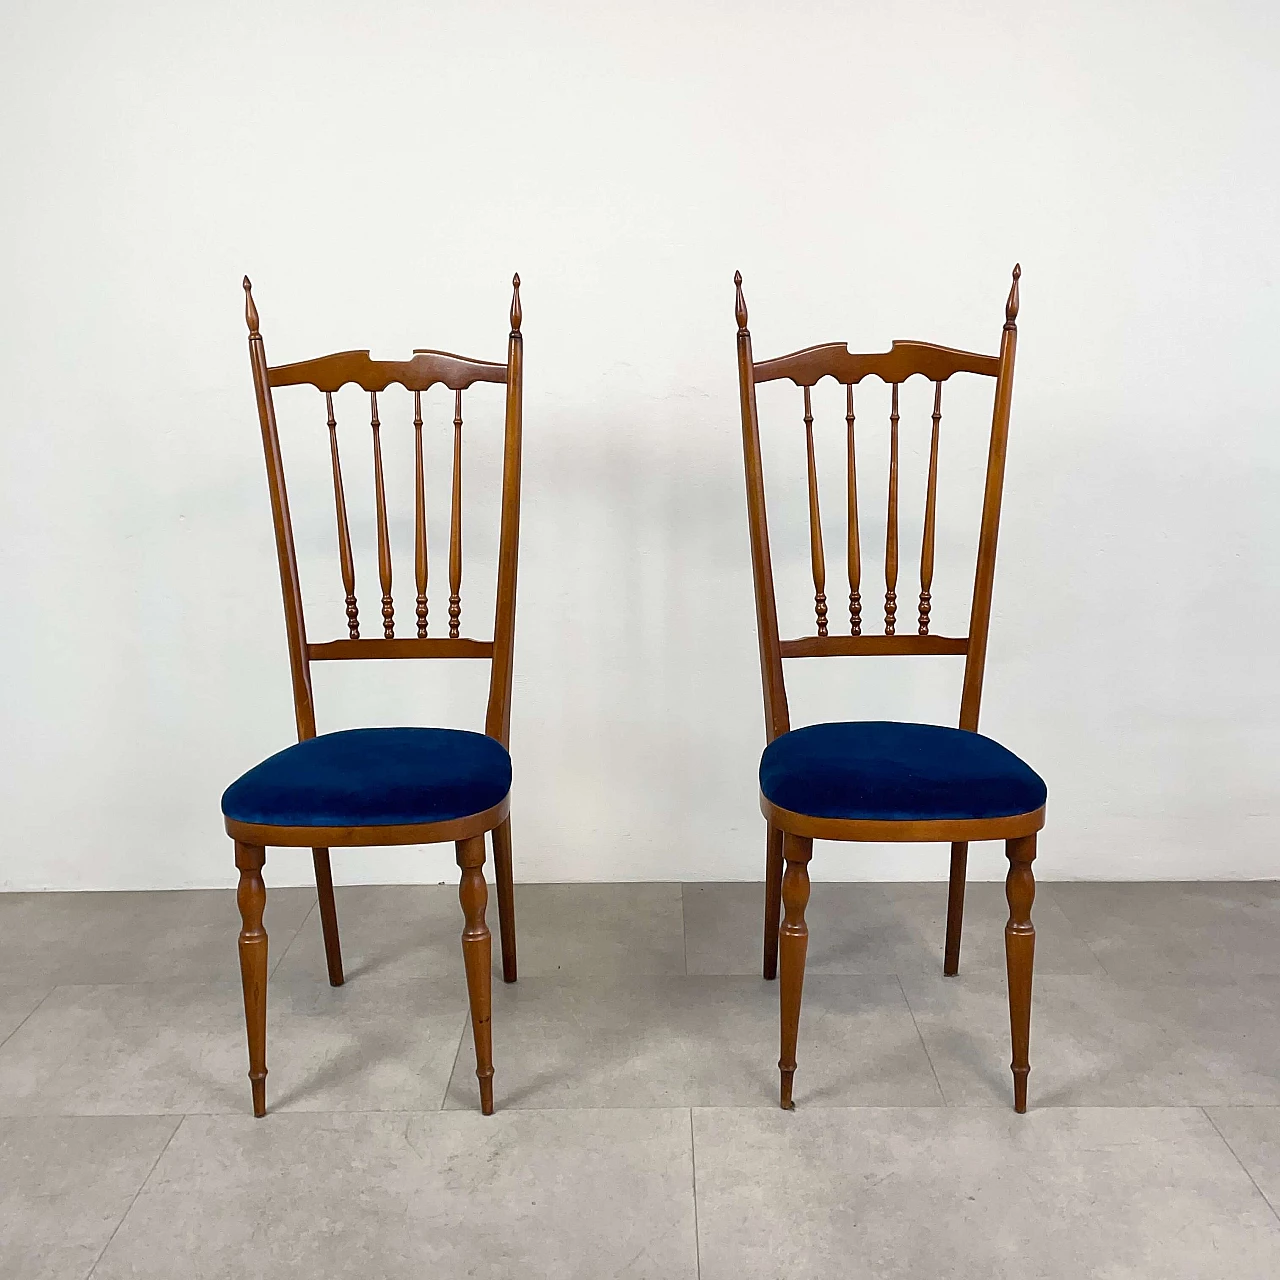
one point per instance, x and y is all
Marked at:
(1100, 1042)
(406, 931)
(1253, 1133)
(705, 1041)
(393, 933)
(605, 930)
(875, 928)
(184, 935)
(165, 1048)
(1178, 929)
(400, 1197)
(975, 1195)
(65, 1184)
(16, 1005)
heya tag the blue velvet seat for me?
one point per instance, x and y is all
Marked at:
(888, 771)
(373, 778)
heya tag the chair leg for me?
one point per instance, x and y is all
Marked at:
(251, 898)
(506, 898)
(1020, 948)
(328, 915)
(792, 948)
(477, 954)
(772, 901)
(955, 908)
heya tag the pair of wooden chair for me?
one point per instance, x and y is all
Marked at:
(857, 781)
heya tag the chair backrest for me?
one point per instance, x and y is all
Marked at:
(419, 373)
(902, 361)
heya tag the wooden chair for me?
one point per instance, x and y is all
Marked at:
(886, 780)
(385, 786)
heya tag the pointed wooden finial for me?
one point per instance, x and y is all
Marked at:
(740, 303)
(250, 311)
(1011, 307)
(516, 313)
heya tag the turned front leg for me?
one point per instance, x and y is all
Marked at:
(1020, 949)
(477, 954)
(251, 898)
(793, 945)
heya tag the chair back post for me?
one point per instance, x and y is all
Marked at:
(498, 715)
(295, 626)
(777, 719)
(984, 576)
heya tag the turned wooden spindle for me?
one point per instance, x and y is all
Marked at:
(516, 313)
(793, 945)
(930, 515)
(344, 531)
(455, 513)
(477, 955)
(739, 302)
(891, 525)
(419, 517)
(251, 898)
(384, 535)
(1020, 950)
(815, 524)
(855, 551)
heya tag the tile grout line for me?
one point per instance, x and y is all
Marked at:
(141, 1186)
(453, 1070)
(1075, 928)
(920, 1036)
(297, 933)
(684, 939)
(23, 1023)
(1205, 1112)
(693, 1170)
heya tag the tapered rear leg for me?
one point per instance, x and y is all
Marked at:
(251, 898)
(477, 955)
(955, 907)
(328, 915)
(506, 898)
(1020, 949)
(793, 945)
(772, 900)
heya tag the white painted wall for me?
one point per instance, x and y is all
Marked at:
(380, 170)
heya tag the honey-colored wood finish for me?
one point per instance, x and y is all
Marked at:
(854, 545)
(955, 907)
(1020, 950)
(793, 945)
(784, 949)
(422, 371)
(251, 898)
(420, 562)
(772, 901)
(477, 955)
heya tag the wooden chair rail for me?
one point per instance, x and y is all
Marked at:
(473, 824)
(435, 647)
(424, 370)
(868, 646)
(903, 360)
(941, 831)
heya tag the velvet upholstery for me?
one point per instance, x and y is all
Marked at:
(884, 770)
(373, 778)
